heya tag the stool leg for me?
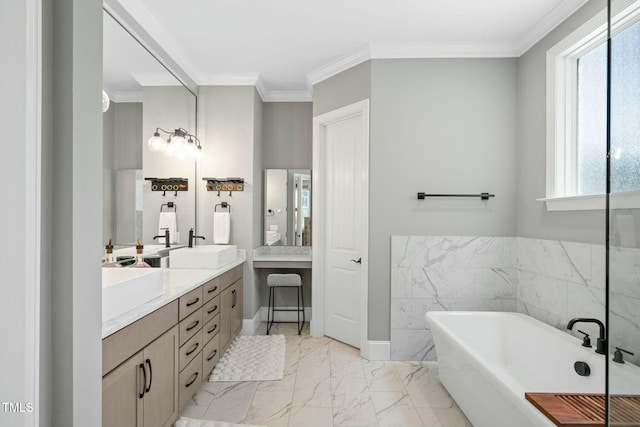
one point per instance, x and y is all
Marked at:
(302, 301)
(298, 303)
(269, 310)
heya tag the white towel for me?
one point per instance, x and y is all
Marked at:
(221, 227)
(168, 220)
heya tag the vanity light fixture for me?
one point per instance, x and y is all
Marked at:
(176, 145)
(105, 101)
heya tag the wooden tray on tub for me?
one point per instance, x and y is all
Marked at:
(586, 410)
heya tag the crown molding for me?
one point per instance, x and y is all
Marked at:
(547, 24)
(261, 87)
(288, 96)
(341, 64)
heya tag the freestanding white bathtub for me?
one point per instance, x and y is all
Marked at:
(488, 360)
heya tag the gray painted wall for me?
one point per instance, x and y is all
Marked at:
(532, 217)
(156, 113)
(226, 121)
(258, 154)
(286, 135)
(13, 106)
(350, 86)
(74, 230)
(439, 126)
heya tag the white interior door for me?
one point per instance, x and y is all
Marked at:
(345, 216)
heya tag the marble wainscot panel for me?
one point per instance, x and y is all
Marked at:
(446, 273)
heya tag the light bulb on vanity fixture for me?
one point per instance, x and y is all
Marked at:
(176, 145)
(105, 101)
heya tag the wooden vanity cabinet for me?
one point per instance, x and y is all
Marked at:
(152, 367)
(142, 392)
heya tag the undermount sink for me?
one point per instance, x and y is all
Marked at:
(126, 288)
(204, 256)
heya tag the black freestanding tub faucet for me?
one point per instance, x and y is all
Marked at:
(601, 342)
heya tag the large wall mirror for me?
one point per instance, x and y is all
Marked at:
(287, 207)
(144, 96)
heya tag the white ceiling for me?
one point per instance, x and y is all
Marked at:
(284, 46)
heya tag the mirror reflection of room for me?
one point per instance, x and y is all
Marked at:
(141, 95)
(287, 201)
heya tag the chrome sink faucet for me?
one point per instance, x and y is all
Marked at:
(167, 244)
(192, 236)
(601, 342)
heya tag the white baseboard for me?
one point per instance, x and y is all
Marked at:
(250, 326)
(378, 350)
(286, 316)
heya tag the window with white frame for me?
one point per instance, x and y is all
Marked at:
(576, 111)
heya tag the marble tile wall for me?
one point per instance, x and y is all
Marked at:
(446, 273)
(552, 281)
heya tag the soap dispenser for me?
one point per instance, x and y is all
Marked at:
(108, 258)
(139, 258)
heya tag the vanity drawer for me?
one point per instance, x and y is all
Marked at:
(211, 289)
(211, 309)
(190, 379)
(231, 276)
(190, 349)
(210, 356)
(190, 302)
(190, 326)
(211, 329)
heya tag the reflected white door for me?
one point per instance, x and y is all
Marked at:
(345, 210)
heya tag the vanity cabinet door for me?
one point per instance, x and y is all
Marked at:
(236, 306)
(161, 399)
(121, 390)
(226, 314)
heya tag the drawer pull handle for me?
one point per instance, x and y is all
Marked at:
(212, 355)
(195, 347)
(193, 325)
(213, 329)
(195, 301)
(212, 310)
(148, 389)
(144, 380)
(233, 304)
(195, 377)
(215, 288)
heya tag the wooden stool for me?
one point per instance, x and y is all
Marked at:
(289, 280)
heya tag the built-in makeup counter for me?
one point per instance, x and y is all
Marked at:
(282, 257)
(177, 282)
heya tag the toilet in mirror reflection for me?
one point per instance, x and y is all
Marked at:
(287, 207)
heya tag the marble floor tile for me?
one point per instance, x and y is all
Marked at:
(231, 401)
(313, 387)
(423, 387)
(311, 417)
(443, 417)
(287, 383)
(395, 409)
(349, 368)
(194, 411)
(382, 376)
(270, 408)
(328, 384)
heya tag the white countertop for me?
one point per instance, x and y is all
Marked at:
(282, 257)
(177, 282)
